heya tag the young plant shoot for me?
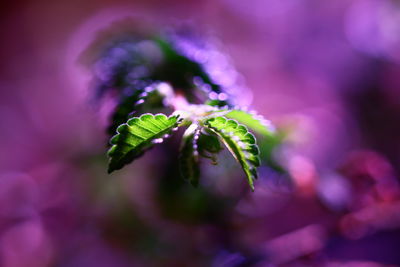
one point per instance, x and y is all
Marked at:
(164, 83)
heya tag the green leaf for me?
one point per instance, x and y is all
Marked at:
(137, 135)
(240, 142)
(218, 103)
(209, 145)
(180, 71)
(253, 121)
(188, 158)
(270, 137)
(139, 98)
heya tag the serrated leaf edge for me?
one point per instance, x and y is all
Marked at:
(163, 134)
(247, 165)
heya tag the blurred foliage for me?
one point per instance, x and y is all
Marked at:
(161, 74)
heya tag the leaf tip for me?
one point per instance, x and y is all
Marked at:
(110, 169)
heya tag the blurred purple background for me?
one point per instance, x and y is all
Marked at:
(326, 71)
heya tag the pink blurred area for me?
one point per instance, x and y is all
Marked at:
(325, 71)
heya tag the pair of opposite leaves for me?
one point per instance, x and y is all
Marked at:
(140, 133)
